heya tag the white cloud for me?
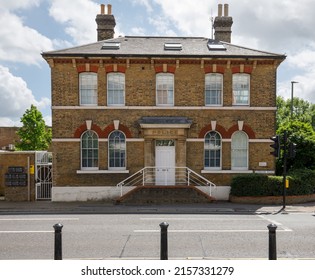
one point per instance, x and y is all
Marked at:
(20, 43)
(138, 31)
(18, 4)
(78, 18)
(145, 3)
(188, 17)
(15, 97)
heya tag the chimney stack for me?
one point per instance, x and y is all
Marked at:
(222, 25)
(105, 24)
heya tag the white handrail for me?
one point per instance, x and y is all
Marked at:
(167, 176)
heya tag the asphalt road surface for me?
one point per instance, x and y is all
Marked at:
(137, 236)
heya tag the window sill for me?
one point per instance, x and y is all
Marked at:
(205, 171)
(102, 171)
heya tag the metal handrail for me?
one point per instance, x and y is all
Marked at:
(180, 176)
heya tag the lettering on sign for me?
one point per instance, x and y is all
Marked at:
(164, 132)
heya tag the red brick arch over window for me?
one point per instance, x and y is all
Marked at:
(110, 128)
(245, 70)
(84, 68)
(220, 129)
(119, 69)
(170, 69)
(82, 128)
(210, 69)
(246, 128)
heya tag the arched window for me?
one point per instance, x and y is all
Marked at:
(212, 150)
(116, 89)
(213, 89)
(239, 155)
(117, 150)
(165, 89)
(241, 89)
(89, 150)
(88, 89)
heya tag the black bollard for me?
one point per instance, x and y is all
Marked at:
(164, 250)
(58, 243)
(272, 242)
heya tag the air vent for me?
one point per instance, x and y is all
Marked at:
(173, 46)
(111, 46)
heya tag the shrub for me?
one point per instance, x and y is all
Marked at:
(301, 182)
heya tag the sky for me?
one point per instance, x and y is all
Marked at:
(30, 27)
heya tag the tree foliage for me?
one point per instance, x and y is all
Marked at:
(303, 135)
(34, 134)
(303, 111)
(300, 130)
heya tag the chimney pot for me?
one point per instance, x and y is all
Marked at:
(220, 10)
(226, 10)
(222, 25)
(105, 24)
(102, 9)
(109, 9)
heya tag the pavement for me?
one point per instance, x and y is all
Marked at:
(49, 207)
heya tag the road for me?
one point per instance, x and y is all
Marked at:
(137, 236)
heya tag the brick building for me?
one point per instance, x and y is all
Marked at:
(159, 111)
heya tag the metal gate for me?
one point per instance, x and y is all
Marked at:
(43, 175)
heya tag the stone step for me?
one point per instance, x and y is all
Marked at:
(164, 195)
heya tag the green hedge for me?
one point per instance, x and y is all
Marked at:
(301, 182)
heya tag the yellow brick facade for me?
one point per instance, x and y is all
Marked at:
(140, 101)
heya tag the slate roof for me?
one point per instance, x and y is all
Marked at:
(145, 46)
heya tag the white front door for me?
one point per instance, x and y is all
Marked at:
(165, 162)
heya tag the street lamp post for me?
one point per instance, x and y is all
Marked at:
(292, 87)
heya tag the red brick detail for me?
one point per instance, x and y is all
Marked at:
(120, 68)
(109, 68)
(158, 69)
(220, 129)
(81, 129)
(170, 69)
(110, 128)
(209, 69)
(246, 128)
(247, 69)
(82, 68)
(93, 68)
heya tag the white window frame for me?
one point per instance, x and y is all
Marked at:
(118, 89)
(166, 81)
(213, 149)
(212, 80)
(236, 151)
(92, 148)
(90, 90)
(241, 89)
(109, 152)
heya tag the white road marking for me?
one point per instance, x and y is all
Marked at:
(197, 219)
(41, 219)
(206, 230)
(276, 223)
(26, 231)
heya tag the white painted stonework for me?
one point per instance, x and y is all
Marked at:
(71, 194)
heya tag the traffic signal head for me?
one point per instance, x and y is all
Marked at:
(292, 150)
(275, 146)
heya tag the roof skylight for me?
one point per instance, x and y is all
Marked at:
(173, 46)
(216, 46)
(111, 46)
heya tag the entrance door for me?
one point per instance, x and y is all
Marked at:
(165, 162)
